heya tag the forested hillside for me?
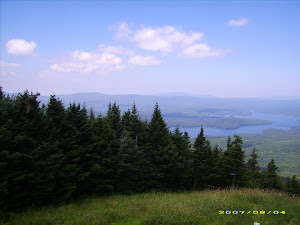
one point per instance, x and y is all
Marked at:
(281, 145)
(52, 154)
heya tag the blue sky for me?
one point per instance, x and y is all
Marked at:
(220, 48)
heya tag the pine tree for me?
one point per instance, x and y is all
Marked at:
(22, 133)
(183, 160)
(132, 166)
(66, 173)
(79, 120)
(126, 121)
(252, 163)
(253, 171)
(161, 153)
(295, 187)
(8, 131)
(202, 165)
(113, 118)
(1, 94)
(103, 175)
(271, 179)
(233, 163)
(216, 176)
(289, 185)
(159, 133)
(92, 115)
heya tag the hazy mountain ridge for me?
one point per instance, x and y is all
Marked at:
(189, 111)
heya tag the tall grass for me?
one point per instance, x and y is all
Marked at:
(170, 208)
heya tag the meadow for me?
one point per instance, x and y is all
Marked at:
(211, 207)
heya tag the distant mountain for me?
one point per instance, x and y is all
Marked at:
(180, 105)
(184, 94)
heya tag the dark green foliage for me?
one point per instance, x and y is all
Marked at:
(233, 161)
(52, 155)
(64, 173)
(281, 145)
(253, 169)
(184, 160)
(271, 179)
(113, 118)
(1, 94)
(92, 115)
(161, 154)
(132, 166)
(216, 179)
(104, 170)
(252, 164)
(159, 133)
(288, 185)
(20, 131)
(82, 129)
(295, 187)
(203, 162)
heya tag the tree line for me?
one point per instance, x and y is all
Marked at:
(52, 154)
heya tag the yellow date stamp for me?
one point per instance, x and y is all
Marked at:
(257, 212)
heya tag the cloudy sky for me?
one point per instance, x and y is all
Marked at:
(220, 48)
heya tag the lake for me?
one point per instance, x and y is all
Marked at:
(283, 122)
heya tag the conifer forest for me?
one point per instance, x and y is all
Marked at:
(52, 154)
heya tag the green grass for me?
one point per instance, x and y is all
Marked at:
(170, 208)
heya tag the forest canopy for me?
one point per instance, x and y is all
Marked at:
(52, 154)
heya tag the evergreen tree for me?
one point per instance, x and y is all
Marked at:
(132, 166)
(183, 161)
(159, 133)
(103, 175)
(81, 125)
(203, 161)
(113, 118)
(233, 163)
(271, 179)
(1, 94)
(136, 130)
(252, 163)
(66, 173)
(126, 121)
(216, 176)
(288, 185)
(295, 187)
(187, 139)
(92, 115)
(161, 153)
(22, 130)
(253, 171)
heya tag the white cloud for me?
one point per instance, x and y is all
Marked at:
(122, 31)
(118, 50)
(202, 50)
(7, 64)
(143, 60)
(20, 47)
(238, 23)
(82, 56)
(164, 39)
(84, 63)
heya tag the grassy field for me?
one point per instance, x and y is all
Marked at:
(240, 207)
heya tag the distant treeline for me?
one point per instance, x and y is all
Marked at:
(51, 154)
